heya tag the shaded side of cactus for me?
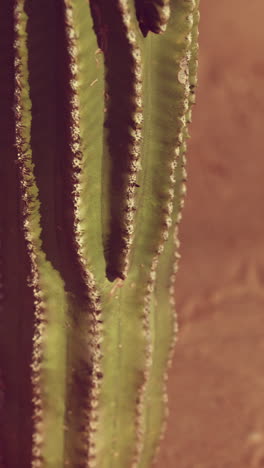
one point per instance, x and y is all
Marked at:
(95, 108)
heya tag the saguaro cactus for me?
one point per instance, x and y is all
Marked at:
(95, 100)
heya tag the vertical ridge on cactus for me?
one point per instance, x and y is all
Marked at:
(122, 126)
(46, 284)
(164, 326)
(85, 356)
(94, 165)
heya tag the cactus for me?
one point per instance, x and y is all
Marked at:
(95, 102)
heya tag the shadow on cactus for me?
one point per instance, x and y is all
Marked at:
(95, 101)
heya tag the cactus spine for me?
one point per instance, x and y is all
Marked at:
(93, 168)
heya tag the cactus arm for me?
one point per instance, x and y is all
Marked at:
(153, 15)
(85, 114)
(123, 124)
(127, 327)
(159, 183)
(124, 339)
(48, 361)
(162, 311)
(86, 140)
(67, 157)
(164, 329)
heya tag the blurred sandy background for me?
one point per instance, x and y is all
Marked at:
(216, 386)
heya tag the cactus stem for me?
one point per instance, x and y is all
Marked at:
(94, 184)
(123, 130)
(94, 307)
(161, 278)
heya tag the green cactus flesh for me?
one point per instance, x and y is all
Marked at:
(95, 100)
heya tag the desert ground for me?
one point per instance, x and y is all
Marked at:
(216, 385)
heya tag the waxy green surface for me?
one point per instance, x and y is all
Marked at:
(101, 105)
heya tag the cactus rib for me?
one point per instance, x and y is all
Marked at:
(165, 328)
(123, 124)
(95, 169)
(90, 319)
(42, 276)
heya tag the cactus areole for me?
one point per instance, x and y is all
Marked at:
(95, 100)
